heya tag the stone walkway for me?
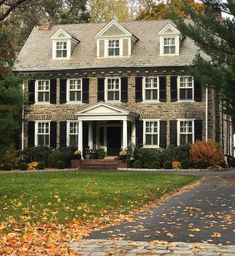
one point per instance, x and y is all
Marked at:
(101, 247)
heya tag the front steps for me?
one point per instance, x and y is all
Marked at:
(99, 164)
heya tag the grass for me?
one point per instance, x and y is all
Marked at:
(65, 196)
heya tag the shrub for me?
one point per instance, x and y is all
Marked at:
(176, 165)
(101, 154)
(7, 167)
(147, 156)
(156, 165)
(41, 166)
(200, 165)
(9, 156)
(23, 166)
(137, 164)
(185, 164)
(167, 165)
(231, 161)
(68, 155)
(207, 152)
(60, 164)
(54, 157)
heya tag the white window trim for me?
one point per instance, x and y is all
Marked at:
(106, 47)
(106, 90)
(178, 128)
(144, 128)
(68, 128)
(69, 47)
(36, 93)
(68, 92)
(36, 130)
(178, 90)
(177, 45)
(144, 89)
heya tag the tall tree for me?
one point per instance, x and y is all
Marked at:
(10, 92)
(152, 10)
(105, 10)
(215, 36)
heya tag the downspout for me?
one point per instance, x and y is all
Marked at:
(206, 123)
(22, 117)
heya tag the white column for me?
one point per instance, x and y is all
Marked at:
(206, 112)
(80, 137)
(133, 134)
(90, 138)
(124, 134)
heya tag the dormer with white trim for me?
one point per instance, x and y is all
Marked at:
(114, 41)
(62, 45)
(170, 39)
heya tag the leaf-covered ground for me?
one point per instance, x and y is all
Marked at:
(40, 212)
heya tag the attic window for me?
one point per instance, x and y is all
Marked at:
(113, 48)
(169, 45)
(61, 50)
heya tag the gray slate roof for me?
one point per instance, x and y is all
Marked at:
(36, 54)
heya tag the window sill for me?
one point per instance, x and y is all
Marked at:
(43, 103)
(151, 146)
(190, 101)
(74, 102)
(151, 101)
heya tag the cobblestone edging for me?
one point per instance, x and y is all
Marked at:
(99, 247)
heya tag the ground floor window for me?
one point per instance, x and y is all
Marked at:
(72, 133)
(186, 132)
(43, 133)
(151, 133)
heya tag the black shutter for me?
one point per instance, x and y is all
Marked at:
(53, 134)
(63, 134)
(163, 132)
(162, 87)
(100, 95)
(138, 89)
(174, 96)
(31, 91)
(63, 90)
(139, 132)
(124, 89)
(31, 134)
(53, 91)
(173, 132)
(198, 129)
(197, 91)
(85, 90)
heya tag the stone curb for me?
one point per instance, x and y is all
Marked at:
(168, 170)
(101, 247)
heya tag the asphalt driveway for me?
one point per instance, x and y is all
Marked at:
(204, 214)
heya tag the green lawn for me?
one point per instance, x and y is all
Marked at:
(64, 196)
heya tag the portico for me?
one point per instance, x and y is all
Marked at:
(109, 127)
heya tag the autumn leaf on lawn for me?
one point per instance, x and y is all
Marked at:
(216, 234)
(195, 229)
(170, 235)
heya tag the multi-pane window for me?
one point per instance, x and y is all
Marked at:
(186, 132)
(113, 48)
(151, 88)
(75, 90)
(186, 88)
(43, 91)
(61, 49)
(73, 134)
(169, 45)
(43, 133)
(113, 89)
(151, 130)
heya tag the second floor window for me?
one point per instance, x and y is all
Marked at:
(169, 45)
(43, 133)
(185, 88)
(151, 89)
(113, 89)
(73, 134)
(113, 48)
(61, 49)
(75, 90)
(43, 91)
(186, 132)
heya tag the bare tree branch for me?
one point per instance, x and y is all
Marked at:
(8, 6)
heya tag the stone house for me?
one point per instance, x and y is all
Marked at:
(112, 85)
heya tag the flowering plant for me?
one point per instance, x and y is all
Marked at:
(32, 166)
(176, 165)
(77, 153)
(122, 154)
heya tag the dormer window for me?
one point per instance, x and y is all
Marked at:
(61, 50)
(62, 45)
(170, 39)
(113, 48)
(169, 45)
